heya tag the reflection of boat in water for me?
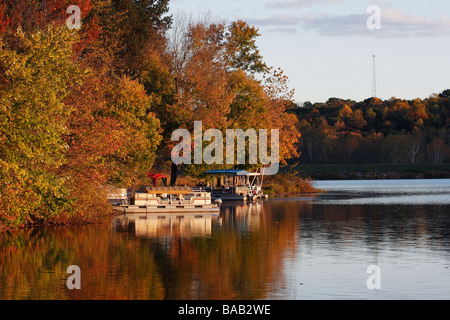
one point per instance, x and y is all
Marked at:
(167, 225)
(236, 185)
(169, 200)
(247, 216)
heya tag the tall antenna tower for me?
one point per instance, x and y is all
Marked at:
(374, 83)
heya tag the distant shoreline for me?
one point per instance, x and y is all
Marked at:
(375, 171)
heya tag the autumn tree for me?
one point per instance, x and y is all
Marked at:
(4, 19)
(357, 120)
(438, 150)
(265, 107)
(346, 113)
(317, 142)
(31, 15)
(105, 131)
(114, 132)
(200, 80)
(142, 26)
(241, 48)
(413, 147)
(347, 146)
(214, 66)
(36, 74)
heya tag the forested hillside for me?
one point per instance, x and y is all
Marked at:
(374, 131)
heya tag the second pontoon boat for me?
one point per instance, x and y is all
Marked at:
(236, 185)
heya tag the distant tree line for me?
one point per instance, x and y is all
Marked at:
(374, 131)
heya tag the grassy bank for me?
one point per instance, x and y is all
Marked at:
(374, 171)
(288, 183)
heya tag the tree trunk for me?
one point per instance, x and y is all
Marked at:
(174, 174)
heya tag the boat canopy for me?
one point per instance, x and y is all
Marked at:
(229, 172)
(234, 172)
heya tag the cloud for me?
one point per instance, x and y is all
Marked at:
(282, 4)
(276, 20)
(285, 30)
(394, 23)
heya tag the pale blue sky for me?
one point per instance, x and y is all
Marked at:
(326, 49)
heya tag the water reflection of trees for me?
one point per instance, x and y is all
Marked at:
(240, 255)
(243, 260)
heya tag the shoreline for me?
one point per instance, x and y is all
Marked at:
(375, 171)
(295, 186)
(357, 175)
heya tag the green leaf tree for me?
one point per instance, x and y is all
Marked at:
(36, 71)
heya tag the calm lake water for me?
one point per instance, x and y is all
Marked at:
(305, 247)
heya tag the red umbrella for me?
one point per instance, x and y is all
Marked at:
(157, 176)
